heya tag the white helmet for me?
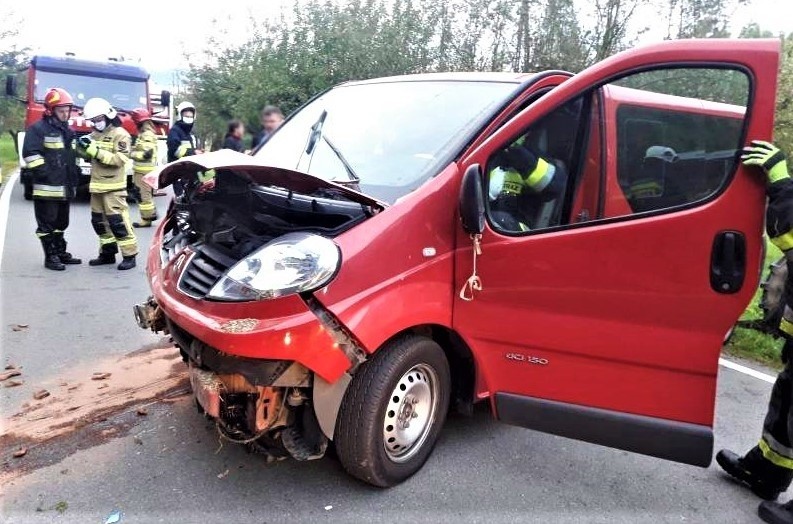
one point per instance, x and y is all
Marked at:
(98, 106)
(184, 106)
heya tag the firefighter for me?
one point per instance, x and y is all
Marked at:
(767, 468)
(108, 149)
(519, 181)
(48, 155)
(181, 142)
(144, 157)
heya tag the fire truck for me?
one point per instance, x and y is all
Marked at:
(124, 85)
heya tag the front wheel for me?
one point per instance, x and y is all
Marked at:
(393, 411)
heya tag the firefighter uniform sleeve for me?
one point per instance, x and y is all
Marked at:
(145, 147)
(119, 156)
(33, 148)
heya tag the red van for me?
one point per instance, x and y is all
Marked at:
(570, 248)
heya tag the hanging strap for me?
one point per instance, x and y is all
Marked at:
(474, 283)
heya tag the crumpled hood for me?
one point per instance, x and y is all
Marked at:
(251, 169)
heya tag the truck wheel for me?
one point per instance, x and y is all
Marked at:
(393, 411)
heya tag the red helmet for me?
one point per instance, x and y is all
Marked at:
(140, 115)
(56, 97)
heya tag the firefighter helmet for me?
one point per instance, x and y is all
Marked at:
(95, 107)
(184, 106)
(55, 97)
(140, 115)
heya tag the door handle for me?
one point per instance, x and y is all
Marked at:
(728, 262)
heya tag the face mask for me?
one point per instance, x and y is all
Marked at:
(188, 120)
(100, 126)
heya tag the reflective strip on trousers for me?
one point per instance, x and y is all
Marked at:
(103, 187)
(774, 457)
(106, 239)
(46, 191)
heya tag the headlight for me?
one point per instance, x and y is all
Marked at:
(293, 263)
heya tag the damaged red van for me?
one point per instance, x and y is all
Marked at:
(570, 248)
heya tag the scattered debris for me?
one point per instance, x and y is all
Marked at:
(223, 475)
(113, 518)
(64, 471)
(13, 383)
(100, 376)
(10, 366)
(9, 374)
(19, 327)
(21, 452)
(61, 506)
(137, 440)
(328, 508)
(42, 393)
(142, 412)
(103, 386)
(109, 431)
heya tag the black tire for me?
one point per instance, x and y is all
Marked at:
(360, 440)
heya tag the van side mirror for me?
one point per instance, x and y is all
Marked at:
(472, 201)
(11, 85)
(165, 98)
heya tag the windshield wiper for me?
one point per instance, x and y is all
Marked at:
(354, 179)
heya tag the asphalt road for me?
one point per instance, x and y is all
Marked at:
(167, 465)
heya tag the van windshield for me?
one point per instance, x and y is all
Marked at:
(385, 139)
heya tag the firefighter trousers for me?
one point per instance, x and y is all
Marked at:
(146, 207)
(775, 443)
(52, 216)
(110, 220)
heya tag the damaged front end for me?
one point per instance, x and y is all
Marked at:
(233, 268)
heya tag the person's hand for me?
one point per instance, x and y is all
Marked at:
(768, 156)
(148, 154)
(88, 146)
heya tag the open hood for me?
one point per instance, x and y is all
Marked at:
(250, 168)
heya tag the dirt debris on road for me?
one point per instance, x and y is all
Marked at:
(8, 374)
(139, 379)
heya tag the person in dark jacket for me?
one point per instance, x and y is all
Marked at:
(181, 142)
(48, 155)
(233, 138)
(767, 468)
(271, 119)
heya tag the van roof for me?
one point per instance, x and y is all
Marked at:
(504, 77)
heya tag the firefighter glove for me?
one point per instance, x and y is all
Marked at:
(769, 157)
(148, 154)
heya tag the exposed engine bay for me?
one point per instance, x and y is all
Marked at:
(264, 404)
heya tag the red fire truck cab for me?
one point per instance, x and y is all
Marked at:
(571, 249)
(124, 85)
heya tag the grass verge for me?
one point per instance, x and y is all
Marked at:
(751, 344)
(8, 155)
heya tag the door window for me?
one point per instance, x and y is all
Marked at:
(653, 141)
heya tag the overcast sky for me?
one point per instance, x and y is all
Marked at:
(173, 27)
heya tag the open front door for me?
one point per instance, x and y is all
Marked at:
(623, 240)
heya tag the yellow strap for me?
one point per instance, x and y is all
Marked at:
(774, 457)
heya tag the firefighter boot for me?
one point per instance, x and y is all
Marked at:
(127, 263)
(765, 479)
(776, 513)
(51, 260)
(143, 223)
(107, 255)
(64, 256)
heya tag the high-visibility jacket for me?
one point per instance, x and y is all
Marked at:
(48, 155)
(108, 169)
(181, 142)
(145, 146)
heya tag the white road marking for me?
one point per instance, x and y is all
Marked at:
(5, 207)
(746, 371)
